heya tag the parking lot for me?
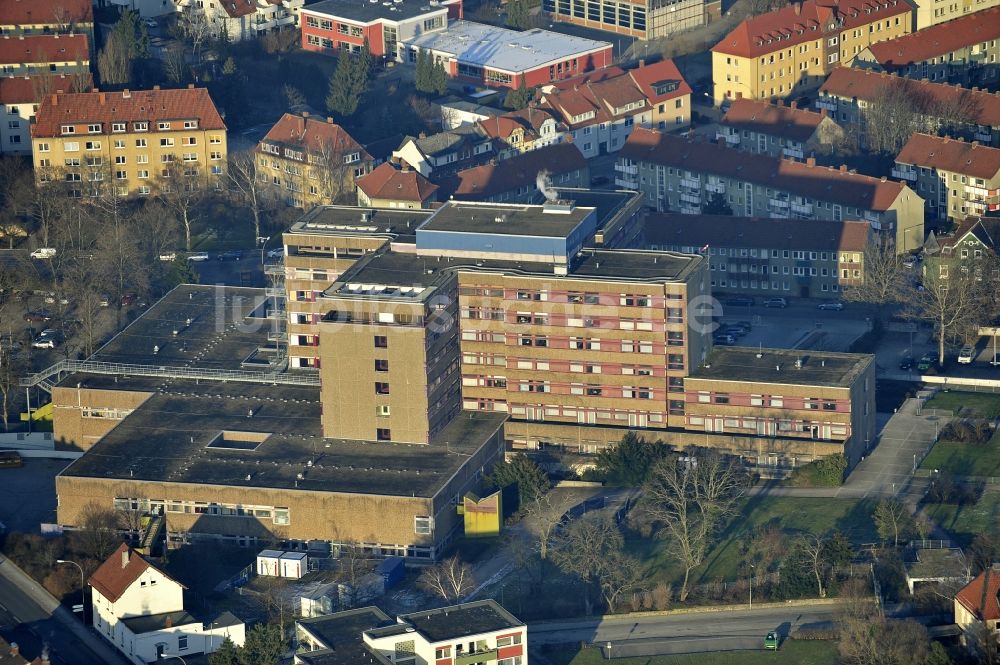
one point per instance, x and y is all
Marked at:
(801, 325)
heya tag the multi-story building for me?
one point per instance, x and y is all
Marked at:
(517, 179)
(644, 19)
(972, 113)
(447, 151)
(777, 130)
(391, 186)
(956, 179)
(520, 131)
(792, 49)
(601, 111)
(480, 632)
(38, 55)
(19, 100)
(48, 17)
(770, 257)
(334, 25)
(244, 19)
(932, 12)
(307, 161)
(481, 54)
(678, 174)
(973, 245)
(134, 139)
(965, 51)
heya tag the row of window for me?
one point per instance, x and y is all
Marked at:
(773, 401)
(278, 515)
(766, 285)
(119, 144)
(120, 127)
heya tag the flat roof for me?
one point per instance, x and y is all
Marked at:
(218, 327)
(366, 11)
(507, 219)
(636, 264)
(445, 623)
(354, 221)
(937, 563)
(200, 433)
(502, 49)
(344, 629)
(819, 368)
(392, 275)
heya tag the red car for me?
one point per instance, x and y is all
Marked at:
(37, 317)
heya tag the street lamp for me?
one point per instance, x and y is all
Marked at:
(752, 568)
(83, 588)
(263, 245)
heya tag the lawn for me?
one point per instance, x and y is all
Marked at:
(965, 459)
(965, 522)
(970, 404)
(793, 514)
(797, 652)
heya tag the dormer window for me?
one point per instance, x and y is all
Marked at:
(94, 129)
(190, 124)
(163, 126)
(67, 129)
(140, 126)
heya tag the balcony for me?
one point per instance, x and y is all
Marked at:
(630, 169)
(731, 139)
(690, 198)
(477, 657)
(691, 184)
(690, 210)
(715, 187)
(985, 137)
(904, 174)
(275, 269)
(802, 208)
(778, 204)
(794, 153)
(828, 104)
(626, 183)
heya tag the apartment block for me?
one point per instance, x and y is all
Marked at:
(48, 18)
(972, 113)
(931, 12)
(135, 141)
(20, 97)
(964, 51)
(391, 186)
(42, 54)
(777, 130)
(306, 161)
(245, 19)
(766, 257)
(956, 179)
(517, 179)
(789, 50)
(447, 151)
(643, 19)
(680, 175)
(601, 110)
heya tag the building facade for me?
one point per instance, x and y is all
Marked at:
(20, 97)
(520, 131)
(134, 141)
(243, 19)
(44, 54)
(389, 186)
(766, 257)
(643, 19)
(792, 49)
(956, 179)
(777, 130)
(447, 151)
(977, 605)
(932, 12)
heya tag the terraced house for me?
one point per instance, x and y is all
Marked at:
(35, 55)
(135, 141)
(789, 50)
(777, 130)
(681, 175)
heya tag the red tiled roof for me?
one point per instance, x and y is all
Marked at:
(388, 182)
(46, 12)
(313, 135)
(852, 83)
(238, 8)
(938, 39)
(26, 89)
(528, 119)
(43, 48)
(947, 154)
(764, 118)
(815, 182)
(509, 174)
(126, 106)
(665, 70)
(804, 21)
(112, 578)
(595, 75)
(971, 595)
(663, 229)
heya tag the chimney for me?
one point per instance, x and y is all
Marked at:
(156, 87)
(45, 656)
(422, 135)
(305, 114)
(190, 86)
(642, 63)
(843, 168)
(168, 622)
(15, 650)
(55, 100)
(125, 558)
(884, 179)
(126, 94)
(329, 120)
(793, 104)
(102, 98)
(810, 161)
(798, 8)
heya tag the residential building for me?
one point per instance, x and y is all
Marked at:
(20, 97)
(135, 139)
(10, 654)
(601, 111)
(789, 50)
(931, 12)
(644, 19)
(517, 179)
(520, 131)
(937, 566)
(47, 17)
(777, 130)
(390, 186)
(329, 26)
(244, 19)
(956, 179)
(43, 54)
(972, 113)
(460, 112)
(972, 247)
(447, 151)
(481, 54)
(965, 51)
(678, 174)
(139, 609)
(767, 257)
(977, 604)
(480, 630)
(307, 161)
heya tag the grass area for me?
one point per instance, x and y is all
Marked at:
(793, 514)
(969, 404)
(965, 459)
(965, 522)
(797, 652)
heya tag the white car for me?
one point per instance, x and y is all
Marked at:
(833, 306)
(49, 339)
(966, 355)
(276, 253)
(168, 256)
(198, 256)
(44, 253)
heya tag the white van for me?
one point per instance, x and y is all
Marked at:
(44, 253)
(966, 355)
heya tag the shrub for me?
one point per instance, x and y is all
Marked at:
(967, 431)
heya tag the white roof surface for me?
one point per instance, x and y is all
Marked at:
(506, 50)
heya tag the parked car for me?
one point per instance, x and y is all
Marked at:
(780, 303)
(198, 256)
(740, 301)
(906, 364)
(735, 331)
(276, 253)
(833, 306)
(128, 299)
(48, 339)
(231, 255)
(966, 355)
(44, 253)
(724, 339)
(771, 641)
(926, 361)
(105, 300)
(37, 317)
(168, 256)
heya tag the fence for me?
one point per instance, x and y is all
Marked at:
(986, 480)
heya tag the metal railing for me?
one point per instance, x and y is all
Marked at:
(164, 371)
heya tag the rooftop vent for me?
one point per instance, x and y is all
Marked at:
(236, 440)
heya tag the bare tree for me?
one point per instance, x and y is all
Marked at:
(246, 184)
(451, 579)
(12, 368)
(98, 534)
(334, 173)
(114, 61)
(884, 277)
(543, 514)
(687, 499)
(182, 190)
(194, 26)
(889, 119)
(175, 64)
(983, 643)
(812, 547)
(892, 520)
(352, 566)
